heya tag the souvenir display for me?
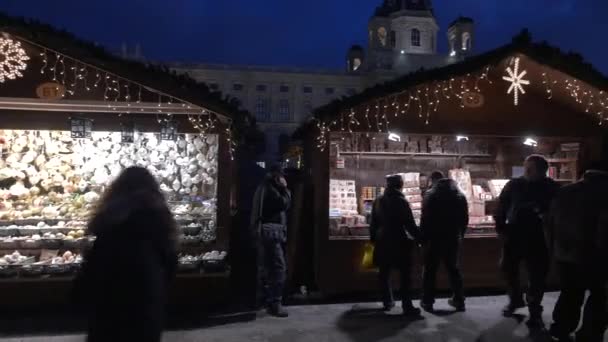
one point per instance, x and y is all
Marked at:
(51, 183)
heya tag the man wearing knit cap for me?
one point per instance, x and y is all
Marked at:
(394, 234)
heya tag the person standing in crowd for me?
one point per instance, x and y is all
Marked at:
(445, 217)
(436, 176)
(394, 234)
(522, 207)
(269, 214)
(125, 278)
(577, 235)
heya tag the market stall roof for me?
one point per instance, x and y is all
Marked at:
(566, 77)
(156, 77)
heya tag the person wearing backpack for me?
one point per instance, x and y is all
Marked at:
(522, 207)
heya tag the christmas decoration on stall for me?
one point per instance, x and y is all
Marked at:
(127, 132)
(427, 98)
(74, 75)
(517, 81)
(12, 59)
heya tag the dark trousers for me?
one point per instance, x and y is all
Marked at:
(404, 266)
(273, 271)
(575, 282)
(536, 260)
(435, 253)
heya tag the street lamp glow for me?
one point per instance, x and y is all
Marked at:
(530, 142)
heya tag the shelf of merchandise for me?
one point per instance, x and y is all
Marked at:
(413, 154)
(69, 278)
(349, 238)
(562, 160)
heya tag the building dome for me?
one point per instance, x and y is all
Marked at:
(389, 7)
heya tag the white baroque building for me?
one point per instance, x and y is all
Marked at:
(402, 39)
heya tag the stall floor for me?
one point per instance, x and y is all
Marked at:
(361, 323)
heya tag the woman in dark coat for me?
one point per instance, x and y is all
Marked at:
(124, 281)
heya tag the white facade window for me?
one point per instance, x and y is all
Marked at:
(260, 87)
(329, 91)
(307, 90)
(237, 87)
(284, 88)
(466, 41)
(415, 37)
(262, 109)
(284, 111)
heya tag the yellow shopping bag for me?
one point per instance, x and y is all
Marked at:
(368, 256)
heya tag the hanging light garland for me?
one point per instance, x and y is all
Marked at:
(429, 97)
(12, 59)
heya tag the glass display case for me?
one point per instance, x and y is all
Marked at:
(50, 183)
(481, 166)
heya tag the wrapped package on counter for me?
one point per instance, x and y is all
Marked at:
(416, 205)
(477, 208)
(412, 191)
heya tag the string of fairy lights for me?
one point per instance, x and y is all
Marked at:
(424, 100)
(78, 76)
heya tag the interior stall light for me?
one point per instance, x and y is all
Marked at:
(531, 142)
(80, 128)
(462, 138)
(394, 137)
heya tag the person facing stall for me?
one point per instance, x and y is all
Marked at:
(394, 234)
(523, 205)
(124, 282)
(445, 217)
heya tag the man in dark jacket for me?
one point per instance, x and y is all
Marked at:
(271, 202)
(522, 206)
(577, 235)
(394, 232)
(445, 217)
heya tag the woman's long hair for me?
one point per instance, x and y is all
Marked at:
(134, 190)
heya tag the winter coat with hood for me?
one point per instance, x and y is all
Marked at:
(577, 225)
(126, 275)
(392, 228)
(445, 213)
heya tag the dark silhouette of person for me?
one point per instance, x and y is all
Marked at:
(124, 281)
(269, 215)
(577, 235)
(445, 217)
(394, 234)
(522, 206)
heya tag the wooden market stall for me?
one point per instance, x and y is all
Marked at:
(476, 121)
(71, 118)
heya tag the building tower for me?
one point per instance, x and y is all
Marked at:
(401, 27)
(461, 34)
(355, 59)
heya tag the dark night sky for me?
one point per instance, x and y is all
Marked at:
(307, 33)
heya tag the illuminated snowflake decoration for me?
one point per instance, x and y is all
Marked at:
(517, 81)
(12, 59)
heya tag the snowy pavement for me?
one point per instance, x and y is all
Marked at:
(363, 323)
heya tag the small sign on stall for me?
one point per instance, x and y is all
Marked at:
(340, 163)
(50, 91)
